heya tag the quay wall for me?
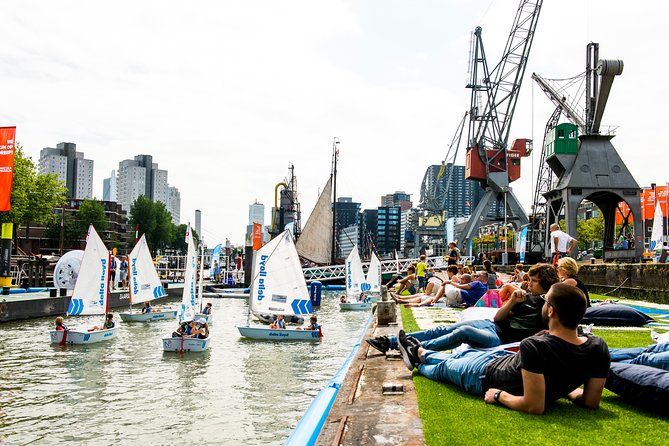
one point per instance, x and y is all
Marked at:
(645, 281)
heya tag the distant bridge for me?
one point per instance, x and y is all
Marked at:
(338, 272)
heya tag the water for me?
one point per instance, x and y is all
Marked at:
(128, 391)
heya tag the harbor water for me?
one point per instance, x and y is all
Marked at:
(128, 391)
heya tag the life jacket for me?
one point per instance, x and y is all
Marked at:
(206, 310)
(281, 323)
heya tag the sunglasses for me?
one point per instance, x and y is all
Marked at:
(543, 297)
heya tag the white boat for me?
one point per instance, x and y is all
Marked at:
(655, 243)
(374, 278)
(144, 285)
(171, 344)
(188, 302)
(90, 295)
(356, 284)
(278, 287)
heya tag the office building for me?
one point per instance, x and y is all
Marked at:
(257, 213)
(109, 187)
(388, 230)
(400, 199)
(72, 169)
(141, 176)
(174, 204)
(463, 195)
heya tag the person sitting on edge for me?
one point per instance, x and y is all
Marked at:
(433, 292)
(409, 282)
(60, 325)
(519, 318)
(207, 309)
(492, 275)
(549, 366)
(279, 323)
(567, 269)
(468, 291)
(147, 308)
(517, 275)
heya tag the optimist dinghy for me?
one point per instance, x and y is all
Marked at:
(356, 286)
(278, 287)
(90, 295)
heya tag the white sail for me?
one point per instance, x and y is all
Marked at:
(91, 288)
(355, 276)
(144, 282)
(188, 297)
(315, 242)
(374, 274)
(278, 285)
(658, 229)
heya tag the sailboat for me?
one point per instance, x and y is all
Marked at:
(315, 242)
(655, 243)
(145, 285)
(90, 295)
(374, 278)
(278, 287)
(356, 285)
(209, 318)
(187, 310)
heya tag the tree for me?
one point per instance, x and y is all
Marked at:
(589, 231)
(92, 212)
(154, 221)
(165, 230)
(34, 197)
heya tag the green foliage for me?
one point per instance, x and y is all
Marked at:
(71, 230)
(34, 197)
(452, 416)
(590, 230)
(155, 221)
(92, 212)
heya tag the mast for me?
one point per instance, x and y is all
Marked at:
(199, 287)
(335, 156)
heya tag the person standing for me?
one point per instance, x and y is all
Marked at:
(562, 244)
(665, 253)
(453, 254)
(421, 270)
(124, 271)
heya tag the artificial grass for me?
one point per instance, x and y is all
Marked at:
(451, 416)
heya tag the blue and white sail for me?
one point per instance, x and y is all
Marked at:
(278, 285)
(655, 243)
(374, 275)
(355, 276)
(91, 289)
(215, 259)
(188, 297)
(145, 285)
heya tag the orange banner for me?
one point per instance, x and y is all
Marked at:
(257, 236)
(7, 135)
(623, 210)
(648, 200)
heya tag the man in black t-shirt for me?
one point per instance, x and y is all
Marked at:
(549, 366)
(453, 254)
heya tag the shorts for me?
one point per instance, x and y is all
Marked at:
(124, 275)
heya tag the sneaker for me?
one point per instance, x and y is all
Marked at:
(409, 348)
(381, 343)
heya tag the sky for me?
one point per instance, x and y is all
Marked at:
(227, 94)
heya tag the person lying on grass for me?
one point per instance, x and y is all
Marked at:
(519, 318)
(549, 366)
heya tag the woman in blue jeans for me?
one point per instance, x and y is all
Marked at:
(656, 355)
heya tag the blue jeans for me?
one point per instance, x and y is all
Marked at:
(656, 355)
(480, 333)
(465, 369)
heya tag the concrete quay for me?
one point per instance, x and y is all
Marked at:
(376, 403)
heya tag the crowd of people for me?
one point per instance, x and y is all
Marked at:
(532, 352)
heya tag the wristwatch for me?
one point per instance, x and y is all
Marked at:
(496, 396)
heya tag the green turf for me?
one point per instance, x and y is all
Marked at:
(451, 416)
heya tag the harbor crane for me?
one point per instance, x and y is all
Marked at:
(493, 101)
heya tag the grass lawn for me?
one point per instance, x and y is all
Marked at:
(451, 416)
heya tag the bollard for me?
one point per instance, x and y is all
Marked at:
(315, 288)
(384, 293)
(592, 260)
(386, 313)
(53, 292)
(5, 291)
(63, 292)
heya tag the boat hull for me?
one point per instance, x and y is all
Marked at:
(152, 316)
(83, 337)
(271, 334)
(355, 306)
(171, 344)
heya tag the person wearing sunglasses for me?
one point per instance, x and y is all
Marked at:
(549, 366)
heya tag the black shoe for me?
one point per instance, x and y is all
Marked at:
(409, 348)
(381, 343)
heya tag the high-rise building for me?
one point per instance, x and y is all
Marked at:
(348, 238)
(367, 234)
(71, 167)
(198, 222)
(174, 205)
(463, 194)
(257, 213)
(400, 199)
(388, 229)
(141, 176)
(109, 188)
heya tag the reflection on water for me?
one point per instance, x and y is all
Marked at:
(128, 391)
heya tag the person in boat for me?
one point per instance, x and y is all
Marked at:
(182, 330)
(60, 324)
(518, 319)
(279, 323)
(342, 299)
(147, 308)
(567, 269)
(313, 323)
(201, 329)
(550, 365)
(207, 309)
(124, 271)
(109, 323)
